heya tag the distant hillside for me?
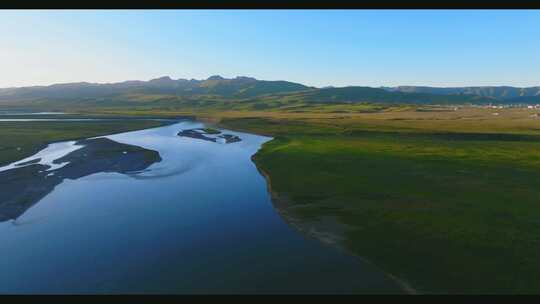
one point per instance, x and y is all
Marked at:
(221, 93)
(239, 87)
(374, 95)
(498, 92)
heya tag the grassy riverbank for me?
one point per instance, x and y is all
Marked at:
(447, 205)
(444, 199)
(22, 139)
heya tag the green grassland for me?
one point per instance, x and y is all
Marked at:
(19, 140)
(444, 198)
(446, 203)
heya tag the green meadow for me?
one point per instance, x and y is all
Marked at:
(446, 200)
(444, 207)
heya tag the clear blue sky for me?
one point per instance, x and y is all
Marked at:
(314, 47)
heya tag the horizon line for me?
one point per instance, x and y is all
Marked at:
(241, 76)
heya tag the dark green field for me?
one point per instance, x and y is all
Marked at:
(446, 212)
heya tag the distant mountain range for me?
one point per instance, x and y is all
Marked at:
(497, 92)
(250, 93)
(239, 87)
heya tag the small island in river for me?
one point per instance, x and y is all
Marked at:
(30, 181)
(210, 134)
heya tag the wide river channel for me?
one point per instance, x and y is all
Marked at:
(197, 219)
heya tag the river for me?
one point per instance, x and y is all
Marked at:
(195, 217)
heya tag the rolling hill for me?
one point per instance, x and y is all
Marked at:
(375, 95)
(239, 87)
(530, 94)
(245, 93)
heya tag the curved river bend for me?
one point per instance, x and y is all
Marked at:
(197, 220)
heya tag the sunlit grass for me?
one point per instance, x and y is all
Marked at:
(446, 207)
